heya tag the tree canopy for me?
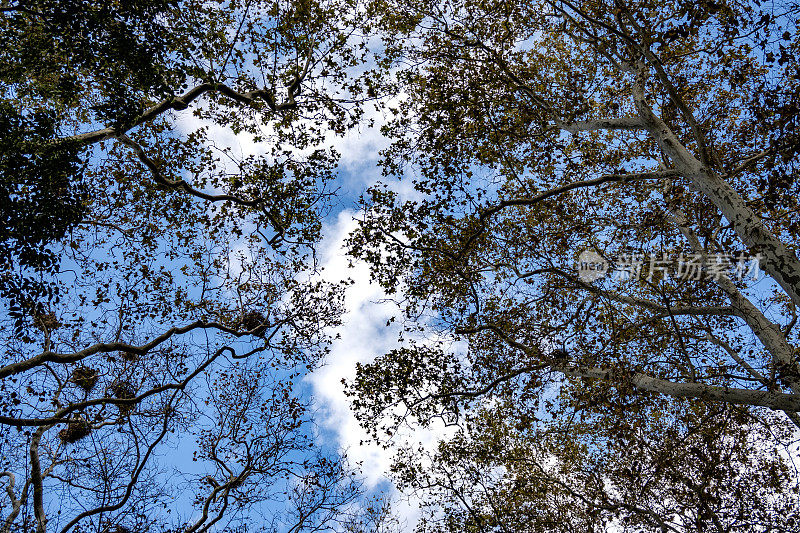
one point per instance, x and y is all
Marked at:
(161, 291)
(596, 188)
(654, 140)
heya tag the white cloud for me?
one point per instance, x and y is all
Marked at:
(363, 336)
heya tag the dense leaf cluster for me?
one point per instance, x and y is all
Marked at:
(42, 197)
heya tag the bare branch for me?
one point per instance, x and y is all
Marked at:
(129, 488)
(52, 357)
(60, 416)
(36, 479)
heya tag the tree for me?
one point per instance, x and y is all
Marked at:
(160, 287)
(660, 139)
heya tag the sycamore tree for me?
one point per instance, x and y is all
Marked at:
(159, 298)
(593, 183)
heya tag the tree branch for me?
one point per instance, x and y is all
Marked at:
(49, 356)
(624, 124)
(182, 102)
(606, 178)
(159, 177)
(773, 400)
(134, 479)
(60, 415)
(36, 479)
(770, 335)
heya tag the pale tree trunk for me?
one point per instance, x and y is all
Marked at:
(779, 262)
